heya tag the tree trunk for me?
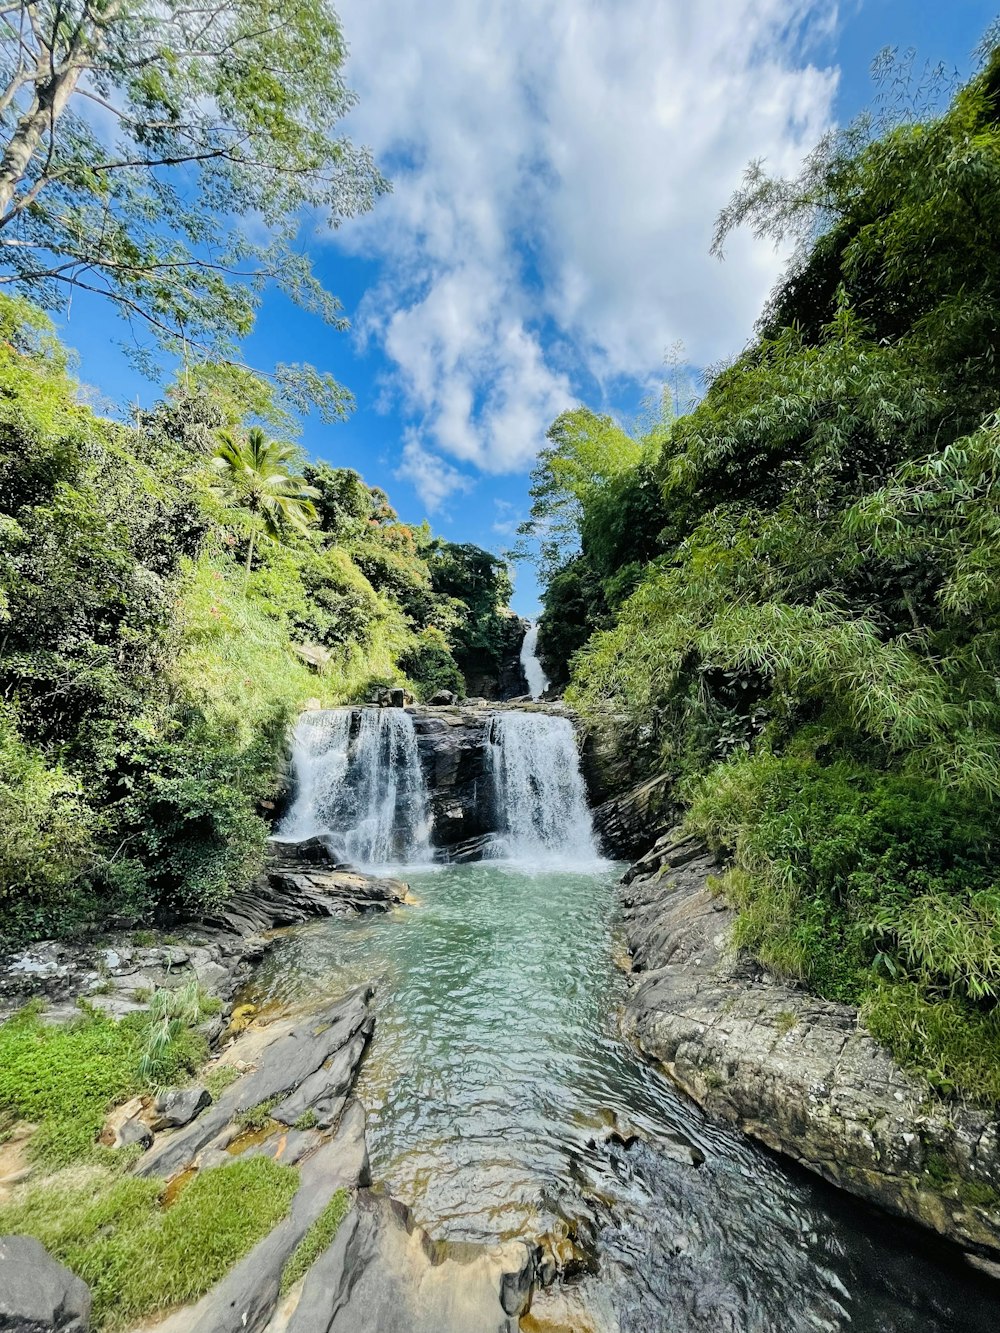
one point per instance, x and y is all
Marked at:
(253, 539)
(54, 84)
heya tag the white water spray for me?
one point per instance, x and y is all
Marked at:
(358, 780)
(538, 681)
(541, 800)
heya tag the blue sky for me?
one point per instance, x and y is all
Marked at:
(557, 168)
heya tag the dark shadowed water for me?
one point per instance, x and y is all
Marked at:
(496, 1064)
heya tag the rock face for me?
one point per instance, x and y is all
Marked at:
(383, 1274)
(37, 1294)
(452, 747)
(797, 1073)
(628, 824)
(452, 744)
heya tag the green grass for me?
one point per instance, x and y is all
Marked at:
(67, 1077)
(948, 1041)
(256, 1117)
(318, 1238)
(220, 1078)
(137, 1257)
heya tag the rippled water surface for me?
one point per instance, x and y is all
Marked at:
(496, 1066)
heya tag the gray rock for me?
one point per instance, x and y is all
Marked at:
(284, 1065)
(442, 699)
(383, 1274)
(37, 1294)
(627, 824)
(245, 1299)
(134, 1132)
(178, 1106)
(799, 1074)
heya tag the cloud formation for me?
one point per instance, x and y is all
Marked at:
(557, 169)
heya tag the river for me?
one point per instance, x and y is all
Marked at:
(496, 1066)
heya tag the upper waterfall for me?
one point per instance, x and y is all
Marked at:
(541, 800)
(358, 779)
(534, 674)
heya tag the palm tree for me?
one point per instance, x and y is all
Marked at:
(257, 473)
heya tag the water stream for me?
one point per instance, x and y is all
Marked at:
(496, 1070)
(534, 674)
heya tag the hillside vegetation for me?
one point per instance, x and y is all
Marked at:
(169, 599)
(789, 595)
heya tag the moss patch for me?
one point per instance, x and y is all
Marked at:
(318, 1238)
(138, 1257)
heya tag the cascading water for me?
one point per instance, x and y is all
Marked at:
(539, 794)
(538, 681)
(358, 780)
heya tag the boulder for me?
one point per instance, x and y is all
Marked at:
(38, 1294)
(799, 1074)
(442, 699)
(176, 1107)
(383, 1274)
(469, 849)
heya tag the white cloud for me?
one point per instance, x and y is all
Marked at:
(432, 478)
(557, 169)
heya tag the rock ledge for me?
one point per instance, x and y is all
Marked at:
(799, 1074)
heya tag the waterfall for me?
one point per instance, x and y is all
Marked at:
(541, 801)
(538, 681)
(358, 780)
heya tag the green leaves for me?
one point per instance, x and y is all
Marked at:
(219, 130)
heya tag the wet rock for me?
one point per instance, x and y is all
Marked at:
(627, 824)
(471, 849)
(37, 1294)
(452, 749)
(800, 1074)
(178, 1106)
(383, 1274)
(294, 852)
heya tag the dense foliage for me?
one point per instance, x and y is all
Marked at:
(809, 639)
(171, 592)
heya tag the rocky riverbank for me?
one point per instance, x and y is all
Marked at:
(345, 1256)
(799, 1074)
(117, 972)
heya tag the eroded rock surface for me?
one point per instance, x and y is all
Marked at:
(244, 1301)
(383, 1274)
(308, 1066)
(629, 823)
(799, 1074)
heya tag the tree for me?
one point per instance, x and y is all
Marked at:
(255, 472)
(137, 135)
